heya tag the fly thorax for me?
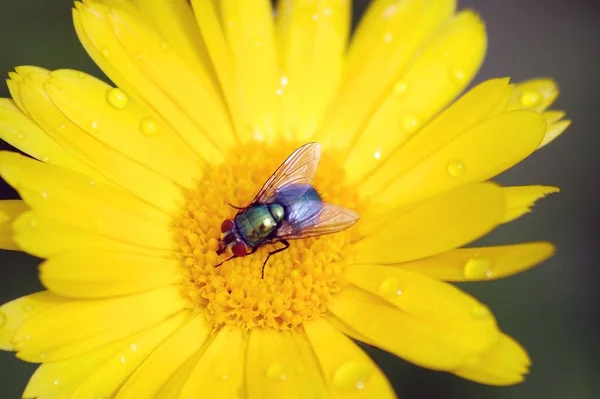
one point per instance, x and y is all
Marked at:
(277, 211)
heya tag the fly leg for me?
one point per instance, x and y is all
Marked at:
(286, 246)
(219, 252)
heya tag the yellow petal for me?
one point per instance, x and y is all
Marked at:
(535, 94)
(434, 79)
(482, 263)
(106, 379)
(553, 116)
(249, 31)
(94, 274)
(94, 208)
(476, 155)
(117, 167)
(348, 371)
(417, 332)
(437, 225)
(82, 325)
(156, 370)
(46, 237)
(100, 371)
(554, 130)
(311, 42)
(16, 312)
(9, 211)
(174, 19)
(388, 37)
(219, 371)
(485, 100)
(123, 125)
(275, 368)
(21, 132)
(504, 364)
(520, 199)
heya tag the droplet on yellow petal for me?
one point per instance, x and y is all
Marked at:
(478, 268)
(352, 376)
(535, 94)
(149, 126)
(117, 98)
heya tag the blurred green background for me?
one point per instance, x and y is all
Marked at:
(552, 309)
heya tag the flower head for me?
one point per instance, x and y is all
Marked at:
(130, 184)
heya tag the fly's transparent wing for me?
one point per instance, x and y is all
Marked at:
(330, 219)
(298, 170)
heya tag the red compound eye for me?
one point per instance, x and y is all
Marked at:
(226, 226)
(239, 249)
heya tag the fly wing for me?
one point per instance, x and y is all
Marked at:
(298, 170)
(330, 219)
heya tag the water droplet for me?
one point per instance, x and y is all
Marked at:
(42, 356)
(328, 11)
(284, 80)
(3, 319)
(149, 126)
(352, 376)
(63, 126)
(457, 74)
(456, 168)
(230, 24)
(81, 75)
(104, 52)
(480, 311)
(390, 286)
(387, 38)
(410, 124)
(21, 136)
(400, 88)
(478, 268)
(276, 372)
(46, 159)
(26, 337)
(122, 359)
(530, 99)
(117, 98)
(56, 381)
(95, 125)
(279, 92)
(377, 154)
(140, 56)
(133, 347)
(27, 306)
(44, 194)
(315, 17)
(92, 183)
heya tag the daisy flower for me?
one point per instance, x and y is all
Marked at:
(127, 186)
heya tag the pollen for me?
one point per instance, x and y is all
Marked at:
(298, 283)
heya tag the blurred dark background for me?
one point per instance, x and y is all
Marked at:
(552, 309)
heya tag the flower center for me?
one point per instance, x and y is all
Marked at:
(298, 283)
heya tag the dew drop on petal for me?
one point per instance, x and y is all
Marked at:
(390, 287)
(63, 126)
(456, 168)
(480, 311)
(27, 306)
(46, 159)
(377, 154)
(44, 194)
(148, 126)
(400, 88)
(3, 319)
(42, 356)
(352, 376)
(410, 124)
(56, 381)
(276, 372)
(117, 98)
(387, 38)
(530, 99)
(21, 136)
(457, 74)
(95, 125)
(104, 52)
(122, 359)
(478, 268)
(221, 374)
(134, 347)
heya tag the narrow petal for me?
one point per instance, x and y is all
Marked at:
(553, 116)
(311, 42)
(554, 130)
(484, 101)
(156, 370)
(276, 369)
(123, 125)
(520, 199)
(94, 208)
(388, 37)
(17, 129)
(219, 371)
(482, 263)
(117, 167)
(348, 371)
(16, 312)
(94, 274)
(157, 77)
(504, 364)
(437, 225)
(432, 81)
(101, 371)
(535, 94)
(45, 237)
(9, 211)
(416, 330)
(82, 325)
(476, 155)
(249, 31)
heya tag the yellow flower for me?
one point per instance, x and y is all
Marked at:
(134, 182)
